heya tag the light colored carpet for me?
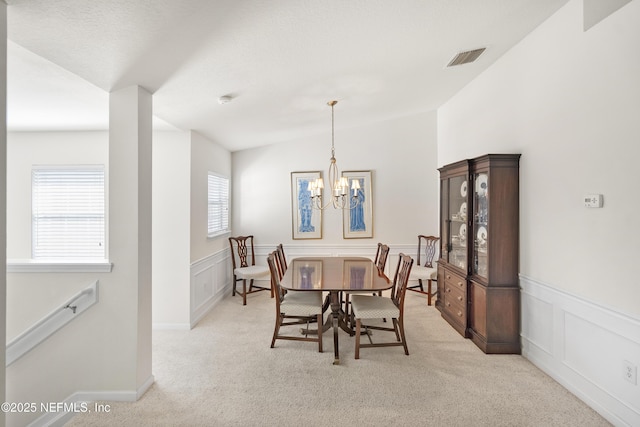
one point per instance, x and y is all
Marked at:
(223, 373)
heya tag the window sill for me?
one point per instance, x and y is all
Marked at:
(218, 234)
(62, 266)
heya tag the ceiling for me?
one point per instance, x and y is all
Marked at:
(281, 61)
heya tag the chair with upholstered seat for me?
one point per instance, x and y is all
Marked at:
(365, 307)
(295, 308)
(245, 268)
(382, 253)
(425, 271)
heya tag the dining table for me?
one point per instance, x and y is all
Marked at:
(335, 275)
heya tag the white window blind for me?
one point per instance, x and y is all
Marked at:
(218, 196)
(68, 212)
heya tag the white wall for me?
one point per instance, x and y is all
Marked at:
(25, 149)
(87, 355)
(43, 148)
(206, 156)
(190, 270)
(171, 228)
(401, 153)
(67, 361)
(569, 101)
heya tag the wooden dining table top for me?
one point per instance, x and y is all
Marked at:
(334, 274)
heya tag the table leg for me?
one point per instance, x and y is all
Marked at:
(335, 313)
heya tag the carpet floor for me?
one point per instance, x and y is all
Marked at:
(223, 373)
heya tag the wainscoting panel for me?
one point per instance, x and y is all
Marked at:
(210, 278)
(583, 346)
(539, 315)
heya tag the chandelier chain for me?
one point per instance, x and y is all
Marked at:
(339, 195)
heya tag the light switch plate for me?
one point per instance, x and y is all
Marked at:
(593, 200)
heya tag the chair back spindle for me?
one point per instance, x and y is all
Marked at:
(242, 245)
(428, 246)
(381, 256)
(275, 279)
(281, 260)
(401, 279)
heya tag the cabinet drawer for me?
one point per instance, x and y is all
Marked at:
(455, 282)
(456, 311)
(455, 297)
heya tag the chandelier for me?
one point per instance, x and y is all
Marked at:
(340, 197)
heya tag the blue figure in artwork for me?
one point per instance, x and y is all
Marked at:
(357, 277)
(357, 212)
(304, 206)
(306, 276)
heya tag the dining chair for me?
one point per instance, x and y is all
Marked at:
(365, 307)
(426, 271)
(281, 260)
(295, 308)
(380, 260)
(244, 267)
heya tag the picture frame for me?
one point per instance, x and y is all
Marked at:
(306, 222)
(357, 221)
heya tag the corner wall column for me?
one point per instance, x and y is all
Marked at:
(3, 200)
(130, 133)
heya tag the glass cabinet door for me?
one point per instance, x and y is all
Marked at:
(444, 220)
(481, 223)
(458, 233)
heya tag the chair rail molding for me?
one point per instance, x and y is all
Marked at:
(583, 346)
(52, 322)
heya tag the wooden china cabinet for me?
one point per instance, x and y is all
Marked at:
(478, 290)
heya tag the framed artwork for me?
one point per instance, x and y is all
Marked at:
(357, 221)
(306, 222)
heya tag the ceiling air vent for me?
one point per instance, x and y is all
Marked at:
(466, 57)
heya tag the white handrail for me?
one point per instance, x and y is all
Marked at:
(51, 323)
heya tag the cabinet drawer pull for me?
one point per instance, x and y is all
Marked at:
(448, 289)
(460, 284)
(448, 304)
(459, 298)
(448, 276)
(459, 314)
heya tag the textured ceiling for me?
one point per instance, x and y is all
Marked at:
(280, 60)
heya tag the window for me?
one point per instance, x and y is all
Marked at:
(218, 197)
(68, 212)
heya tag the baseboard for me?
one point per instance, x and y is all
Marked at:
(582, 345)
(85, 401)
